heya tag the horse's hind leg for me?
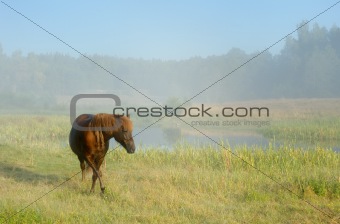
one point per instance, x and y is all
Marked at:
(94, 178)
(82, 167)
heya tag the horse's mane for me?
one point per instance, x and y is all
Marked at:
(101, 123)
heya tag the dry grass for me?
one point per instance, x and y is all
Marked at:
(186, 185)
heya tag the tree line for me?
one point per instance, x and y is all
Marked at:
(308, 66)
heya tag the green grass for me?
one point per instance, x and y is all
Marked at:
(309, 130)
(184, 185)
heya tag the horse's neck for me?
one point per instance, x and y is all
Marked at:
(113, 130)
(109, 134)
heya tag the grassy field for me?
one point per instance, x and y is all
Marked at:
(305, 130)
(40, 181)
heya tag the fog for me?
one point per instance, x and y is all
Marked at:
(308, 66)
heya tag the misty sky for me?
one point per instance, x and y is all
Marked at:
(156, 29)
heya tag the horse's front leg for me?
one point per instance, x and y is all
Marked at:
(96, 174)
(94, 178)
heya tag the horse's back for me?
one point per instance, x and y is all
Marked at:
(84, 120)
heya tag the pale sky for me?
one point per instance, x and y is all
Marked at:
(156, 29)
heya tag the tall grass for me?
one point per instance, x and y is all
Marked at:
(188, 184)
(43, 131)
(308, 130)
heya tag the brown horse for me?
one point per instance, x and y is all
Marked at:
(89, 140)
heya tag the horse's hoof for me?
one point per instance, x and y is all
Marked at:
(103, 189)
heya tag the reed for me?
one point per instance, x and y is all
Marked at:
(307, 130)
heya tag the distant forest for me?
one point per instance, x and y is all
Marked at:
(308, 66)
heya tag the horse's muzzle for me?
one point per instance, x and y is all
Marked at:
(130, 148)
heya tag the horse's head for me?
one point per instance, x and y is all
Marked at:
(124, 134)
